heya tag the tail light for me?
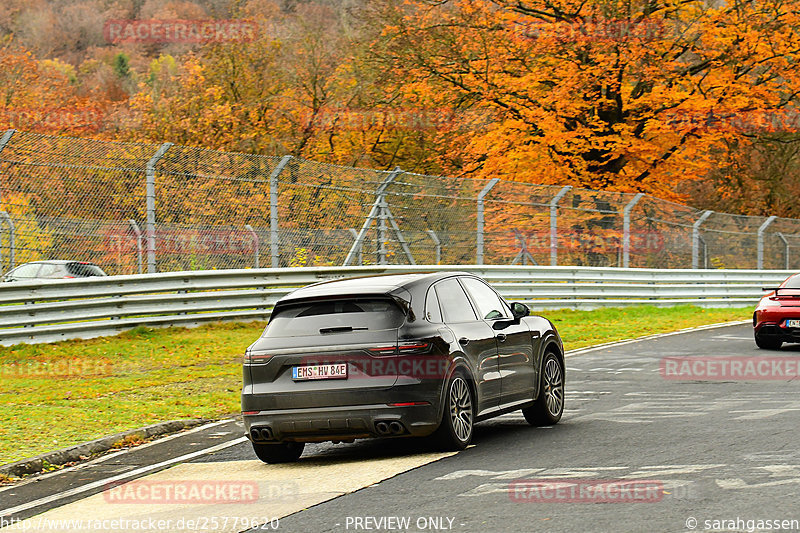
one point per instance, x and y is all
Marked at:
(254, 359)
(403, 348)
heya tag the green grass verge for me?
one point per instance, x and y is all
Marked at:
(60, 394)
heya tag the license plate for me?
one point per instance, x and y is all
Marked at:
(793, 323)
(336, 371)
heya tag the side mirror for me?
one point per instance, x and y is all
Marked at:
(520, 310)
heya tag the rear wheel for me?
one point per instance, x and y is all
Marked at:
(455, 431)
(767, 343)
(549, 406)
(282, 452)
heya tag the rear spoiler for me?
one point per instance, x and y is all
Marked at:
(776, 289)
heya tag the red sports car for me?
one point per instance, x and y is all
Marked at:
(777, 316)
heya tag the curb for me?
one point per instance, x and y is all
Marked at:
(80, 452)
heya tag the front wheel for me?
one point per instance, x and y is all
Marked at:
(455, 431)
(766, 343)
(282, 452)
(549, 406)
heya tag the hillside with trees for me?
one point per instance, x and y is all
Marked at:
(686, 100)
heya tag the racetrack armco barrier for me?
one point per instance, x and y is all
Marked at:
(47, 311)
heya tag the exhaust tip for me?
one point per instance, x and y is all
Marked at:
(382, 428)
(396, 428)
(266, 433)
(255, 434)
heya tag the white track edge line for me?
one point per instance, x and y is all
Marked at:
(588, 349)
(102, 482)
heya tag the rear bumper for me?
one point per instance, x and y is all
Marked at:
(776, 331)
(319, 424)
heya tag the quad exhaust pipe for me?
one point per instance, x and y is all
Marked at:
(263, 433)
(389, 428)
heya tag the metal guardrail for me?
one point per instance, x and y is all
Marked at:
(47, 311)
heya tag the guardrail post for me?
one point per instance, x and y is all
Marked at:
(480, 224)
(626, 229)
(253, 233)
(554, 224)
(696, 238)
(375, 211)
(151, 207)
(785, 249)
(12, 235)
(438, 244)
(761, 230)
(274, 238)
(138, 233)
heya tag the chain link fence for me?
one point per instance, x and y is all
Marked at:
(132, 207)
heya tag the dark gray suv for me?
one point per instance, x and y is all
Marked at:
(396, 356)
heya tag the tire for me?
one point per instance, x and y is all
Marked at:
(283, 452)
(766, 343)
(458, 419)
(549, 406)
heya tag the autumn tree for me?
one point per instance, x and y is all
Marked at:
(607, 95)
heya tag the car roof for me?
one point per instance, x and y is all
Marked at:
(384, 284)
(58, 262)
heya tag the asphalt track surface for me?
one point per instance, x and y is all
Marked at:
(635, 451)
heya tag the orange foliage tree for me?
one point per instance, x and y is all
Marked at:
(627, 96)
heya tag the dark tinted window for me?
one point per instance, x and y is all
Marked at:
(335, 316)
(84, 270)
(490, 306)
(454, 302)
(432, 311)
(25, 271)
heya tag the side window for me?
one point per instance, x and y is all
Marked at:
(454, 302)
(26, 271)
(432, 311)
(49, 270)
(489, 304)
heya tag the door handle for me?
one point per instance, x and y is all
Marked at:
(501, 337)
(463, 341)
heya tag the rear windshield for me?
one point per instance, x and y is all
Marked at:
(83, 270)
(330, 317)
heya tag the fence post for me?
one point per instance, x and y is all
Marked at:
(274, 238)
(785, 249)
(437, 244)
(354, 233)
(479, 236)
(12, 236)
(151, 207)
(253, 233)
(3, 142)
(138, 233)
(626, 229)
(696, 238)
(554, 224)
(376, 210)
(761, 230)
